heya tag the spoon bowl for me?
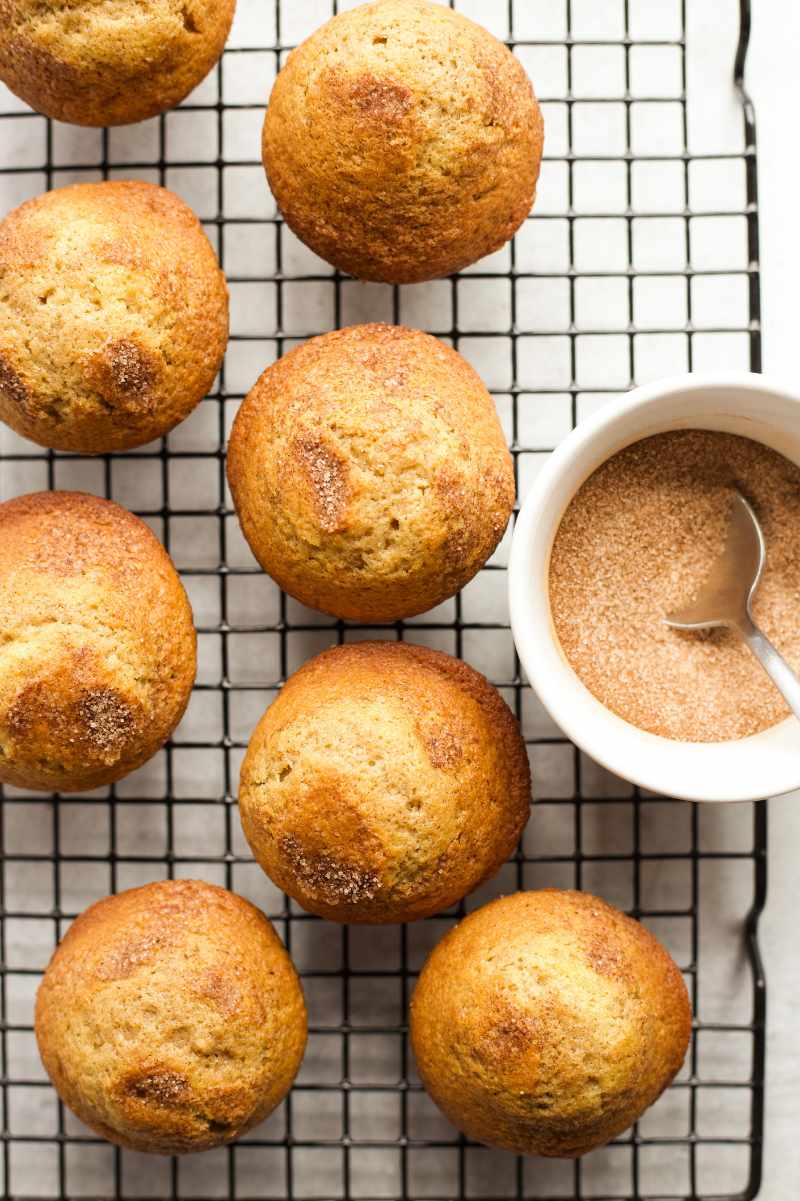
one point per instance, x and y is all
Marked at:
(726, 598)
(727, 594)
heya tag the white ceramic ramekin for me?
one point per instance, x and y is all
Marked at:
(763, 765)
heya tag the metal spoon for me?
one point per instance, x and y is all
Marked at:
(727, 597)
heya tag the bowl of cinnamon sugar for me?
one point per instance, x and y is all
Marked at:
(621, 527)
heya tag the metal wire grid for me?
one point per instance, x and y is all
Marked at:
(357, 1124)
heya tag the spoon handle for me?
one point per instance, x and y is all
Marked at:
(773, 663)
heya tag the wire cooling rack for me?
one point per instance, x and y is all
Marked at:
(641, 260)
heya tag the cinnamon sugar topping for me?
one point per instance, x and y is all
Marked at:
(637, 541)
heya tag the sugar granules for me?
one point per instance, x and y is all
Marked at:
(637, 541)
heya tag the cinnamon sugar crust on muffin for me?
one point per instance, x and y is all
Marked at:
(370, 473)
(97, 643)
(385, 783)
(170, 1018)
(402, 141)
(113, 316)
(109, 62)
(546, 1023)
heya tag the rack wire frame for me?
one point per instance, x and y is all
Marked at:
(290, 1140)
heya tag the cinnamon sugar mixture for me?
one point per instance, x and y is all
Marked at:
(637, 541)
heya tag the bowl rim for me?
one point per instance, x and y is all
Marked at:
(586, 735)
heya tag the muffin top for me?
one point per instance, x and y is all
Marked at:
(402, 141)
(370, 473)
(384, 783)
(546, 1022)
(97, 645)
(170, 1018)
(105, 62)
(113, 316)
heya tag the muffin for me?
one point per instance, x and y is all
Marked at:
(370, 473)
(97, 645)
(385, 783)
(547, 1022)
(113, 316)
(94, 63)
(402, 142)
(170, 1018)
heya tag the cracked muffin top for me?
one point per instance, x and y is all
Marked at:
(402, 141)
(170, 1018)
(97, 643)
(113, 316)
(370, 473)
(109, 62)
(385, 783)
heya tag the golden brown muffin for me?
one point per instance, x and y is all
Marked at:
(370, 473)
(109, 62)
(402, 141)
(97, 645)
(547, 1022)
(170, 1018)
(385, 783)
(113, 316)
